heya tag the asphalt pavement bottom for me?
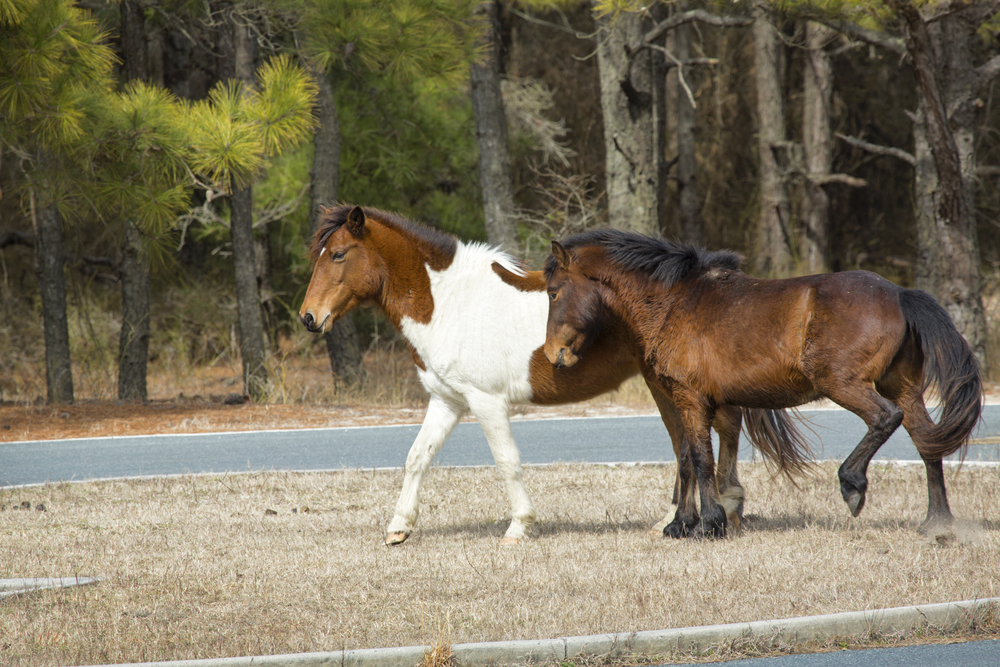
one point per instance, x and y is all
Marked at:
(699, 640)
(985, 653)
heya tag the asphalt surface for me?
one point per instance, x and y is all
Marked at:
(968, 654)
(833, 434)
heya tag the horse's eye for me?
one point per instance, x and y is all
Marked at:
(337, 256)
(552, 296)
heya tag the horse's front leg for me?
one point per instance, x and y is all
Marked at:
(441, 417)
(696, 453)
(493, 413)
(685, 486)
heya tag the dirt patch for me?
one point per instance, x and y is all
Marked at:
(99, 419)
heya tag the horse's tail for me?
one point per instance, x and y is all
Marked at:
(775, 435)
(950, 364)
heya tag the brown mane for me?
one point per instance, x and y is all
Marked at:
(439, 246)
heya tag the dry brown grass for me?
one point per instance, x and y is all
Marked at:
(196, 567)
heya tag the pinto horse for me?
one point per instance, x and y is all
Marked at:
(475, 322)
(708, 335)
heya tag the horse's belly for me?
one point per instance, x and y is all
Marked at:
(770, 396)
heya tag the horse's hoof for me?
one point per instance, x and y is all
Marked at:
(395, 539)
(855, 502)
(508, 541)
(675, 529)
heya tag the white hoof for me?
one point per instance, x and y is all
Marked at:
(395, 539)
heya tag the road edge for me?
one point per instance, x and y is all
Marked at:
(946, 615)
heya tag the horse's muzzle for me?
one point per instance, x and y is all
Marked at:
(563, 359)
(310, 322)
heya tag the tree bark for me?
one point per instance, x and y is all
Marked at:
(689, 204)
(817, 142)
(949, 247)
(774, 234)
(238, 51)
(495, 176)
(632, 109)
(133, 342)
(342, 340)
(49, 262)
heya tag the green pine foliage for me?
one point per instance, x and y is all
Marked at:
(411, 147)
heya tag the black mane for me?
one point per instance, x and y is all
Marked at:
(661, 259)
(335, 217)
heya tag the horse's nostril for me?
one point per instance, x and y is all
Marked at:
(308, 320)
(560, 360)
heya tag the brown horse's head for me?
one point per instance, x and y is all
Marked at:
(344, 273)
(576, 310)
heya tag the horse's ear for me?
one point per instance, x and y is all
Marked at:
(356, 221)
(562, 257)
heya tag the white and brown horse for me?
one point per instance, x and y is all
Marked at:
(476, 324)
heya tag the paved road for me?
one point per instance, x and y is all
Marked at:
(834, 434)
(970, 654)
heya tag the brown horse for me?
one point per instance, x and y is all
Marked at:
(475, 321)
(708, 335)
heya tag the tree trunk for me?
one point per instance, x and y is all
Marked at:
(774, 234)
(631, 108)
(342, 340)
(942, 61)
(237, 50)
(817, 140)
(495, 177)
(687, 187)
(133, 342)
(49, 261)
(252, 350)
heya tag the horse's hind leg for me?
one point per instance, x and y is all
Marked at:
(728, 421)
(907, 393)
(684, 493)
(438, 423)
(493, 414)
(882, 418)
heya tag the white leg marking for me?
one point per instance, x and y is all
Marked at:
(438, 423)
(493, 413)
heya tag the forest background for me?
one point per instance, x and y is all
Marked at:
(163, 164)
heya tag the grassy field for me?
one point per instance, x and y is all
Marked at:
(230, 565)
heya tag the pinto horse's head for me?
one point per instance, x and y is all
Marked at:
(343, 271)
(576, 310)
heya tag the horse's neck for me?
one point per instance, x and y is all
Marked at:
(636, 306)
(405, 290)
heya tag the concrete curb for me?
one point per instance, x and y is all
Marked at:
(14, 587)
(946, 615)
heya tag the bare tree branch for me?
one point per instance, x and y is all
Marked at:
(699, 15)
(680, 72)
(874, 37)
(875, 148)
(844, 179)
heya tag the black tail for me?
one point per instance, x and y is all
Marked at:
(775, 435)
(950, 364)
